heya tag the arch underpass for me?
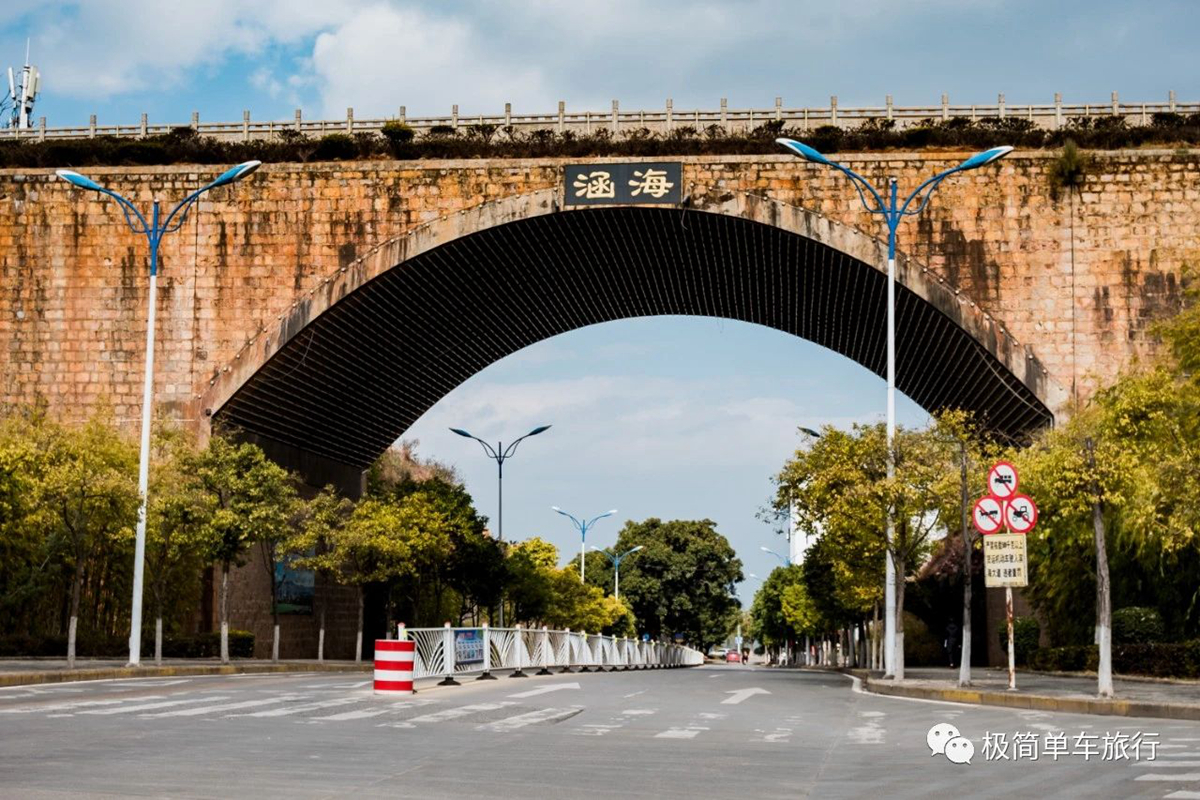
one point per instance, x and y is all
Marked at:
(367, 352)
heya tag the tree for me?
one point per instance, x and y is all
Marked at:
(682, 582)
(251, 500)
(86, 496)
(839, 486)
(175, 517)
(323, 518)
(771, 624)
(364, 548)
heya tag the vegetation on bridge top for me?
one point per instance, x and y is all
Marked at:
(398, 141)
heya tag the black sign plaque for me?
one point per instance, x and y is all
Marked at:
(640, 183)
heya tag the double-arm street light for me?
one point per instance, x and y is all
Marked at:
(787, 562)
(500, 454)
(892, 211)
(616, 562)
(583, 527)
(153, 230)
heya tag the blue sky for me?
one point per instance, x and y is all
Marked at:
(669, 417)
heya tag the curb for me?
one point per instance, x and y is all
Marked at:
(1039, 702)
(110, 673)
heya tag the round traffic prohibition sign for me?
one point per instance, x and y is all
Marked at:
(988, 515)
(1002, 480)
(1020, 513)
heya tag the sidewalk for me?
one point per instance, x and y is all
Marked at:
(1046, 692)
(27, 671)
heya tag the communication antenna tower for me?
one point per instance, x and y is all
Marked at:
(16, 109)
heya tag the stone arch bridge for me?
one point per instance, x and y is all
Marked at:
(322, 308)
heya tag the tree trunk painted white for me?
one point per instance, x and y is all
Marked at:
(898, 657)
(225, 613)
(158, 640)
(321, 639)
(358, 640)
(1103, 605)
(964, 663)
(275, 644)
(1103, 594)
(71, 642)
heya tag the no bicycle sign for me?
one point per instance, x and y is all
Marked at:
(1002, 516)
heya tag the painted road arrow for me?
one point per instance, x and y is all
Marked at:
(740, 695)
(545, 689)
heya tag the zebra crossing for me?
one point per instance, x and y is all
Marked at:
(345, 702)
(1177, 765)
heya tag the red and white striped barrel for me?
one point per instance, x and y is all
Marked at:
(394, 665)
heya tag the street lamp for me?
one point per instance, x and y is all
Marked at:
(893, 212)
(153, 231)
(787, 562)
(500, 454)
(616, 562)
(583, 528)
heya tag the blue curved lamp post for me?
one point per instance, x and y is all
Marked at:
(892, 212)
(153, 230)
(787, 562)
(500, 454)
(616, 562)
(583, 526)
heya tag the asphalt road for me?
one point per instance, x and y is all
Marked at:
(732, 731)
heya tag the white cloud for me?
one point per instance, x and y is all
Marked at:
(386, 56)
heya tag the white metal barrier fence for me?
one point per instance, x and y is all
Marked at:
(446, 652)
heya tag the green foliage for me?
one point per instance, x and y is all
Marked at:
(782, 608)
(682, 581)
(921, 647)
(1155, 659)
(474, 141)
(1026, 633)
(1137, 625)
(1069, 170)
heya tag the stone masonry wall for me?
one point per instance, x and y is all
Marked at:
(73, 279)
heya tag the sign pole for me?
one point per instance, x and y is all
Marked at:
(1012, 657)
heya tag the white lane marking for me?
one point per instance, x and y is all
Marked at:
(1173, 746)
(461, 711)
(875, 713)
(129, 685)
(367, 713)
(641, 712)
(783, 735)
(689, 732)
(643, 691)
(198, 710)
(1157, 763)
(1182, 795)
(75, 705)
(711, 715)
(870, 733)
(1184, 739)
(152, 706)
(1192, 754)
(530, 718)
(1158, 776)
(546, 689)
(741, 694)
(283, 712)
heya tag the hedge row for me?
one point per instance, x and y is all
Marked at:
(1158, 659)
(199, 645)
(183, 145)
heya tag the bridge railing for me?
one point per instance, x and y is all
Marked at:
(661, 120)
(446, 652)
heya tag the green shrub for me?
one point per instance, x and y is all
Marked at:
(1026, 633)
(397, 132)
(207, 645)
(1137, 625)
(336, 147)
(921, 647)
(1156, 659)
